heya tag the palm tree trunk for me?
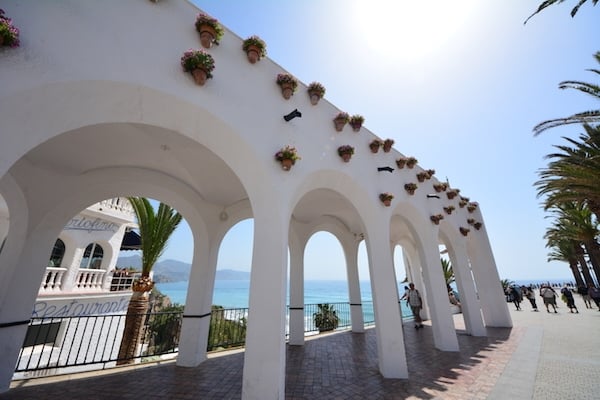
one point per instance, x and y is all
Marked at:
(134, 321)
(583, 264)
(576, 273)
(591, 247)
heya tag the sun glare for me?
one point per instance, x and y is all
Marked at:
(409, 30)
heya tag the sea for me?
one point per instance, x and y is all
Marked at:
(235, 293)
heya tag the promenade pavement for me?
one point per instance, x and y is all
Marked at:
(544, 356)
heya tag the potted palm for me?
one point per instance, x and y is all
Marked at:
(340, 120)
(346, 152)
(9, 34)
(386, 198)
(326, 318)
(375, 145)
(210, 30)
(410, 188)
(316, 91)
(199, 63)
(288, 85)
(356, 122)
(255, 48)
(287, 156)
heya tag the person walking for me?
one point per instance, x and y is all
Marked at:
(585, 295)
(568, 298)
(530, 295)
(413, 299)
(516, 297)
(594, 293)
(549, 296)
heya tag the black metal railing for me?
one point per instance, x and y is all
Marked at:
(72, 344)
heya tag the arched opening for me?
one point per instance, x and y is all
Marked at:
(58, 252)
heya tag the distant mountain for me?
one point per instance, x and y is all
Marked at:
(177, 271)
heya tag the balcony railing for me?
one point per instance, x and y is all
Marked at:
(74, 344)
(52, 280)
(89, 279)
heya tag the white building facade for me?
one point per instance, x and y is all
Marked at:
(86, 117)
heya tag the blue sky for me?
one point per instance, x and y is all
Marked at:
(458, 84)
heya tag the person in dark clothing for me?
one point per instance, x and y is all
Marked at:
(594, 293)
(516, 297)
(585, 295)
(568, 298)
(530, 295)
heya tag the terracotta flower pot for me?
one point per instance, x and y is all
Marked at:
(339, 124)
(374, 148)
(387, 147)
(356, 127)
(400, 163)
(207, 36)
(346, 157)
(287, 90)
(286, 164)
(314, 98)
(253, 54)
(387, 202)
(200, 76)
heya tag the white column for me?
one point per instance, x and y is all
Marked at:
(193, 339)
(350, 246)
(388, 323)
(264, 360)
(494, 307)
(442, 323)
(297, 249)
(469, 303)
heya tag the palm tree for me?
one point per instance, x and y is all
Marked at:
(155, 230)
(563, 249)
(574, 173)
(448, 272)
(548, 3)
(585, 117)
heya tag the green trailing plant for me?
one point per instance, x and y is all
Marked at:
(9, 34)
(204, 19)
(257, 42)
(198, 59)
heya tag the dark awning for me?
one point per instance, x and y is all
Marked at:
(131, 241)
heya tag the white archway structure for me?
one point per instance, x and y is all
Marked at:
(78, 126)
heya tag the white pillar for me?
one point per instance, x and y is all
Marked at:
(442, 323)
(494, 307)
(297, 249)
(264, 360)
(350, 246)
(388, 324)
(193, 339)
(469, 303)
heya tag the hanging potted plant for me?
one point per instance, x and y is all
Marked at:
(449, 209)
(287, 156)
(340, 120)
(401, 162)
(470, 221)
(255, 48)
(421, 176)
(452, 193)
(9, 34)
(464, 231)
(410, 188)
(199, 63)
(430, 173)
(386, 198)
(411, 162)
(375, 145)
(436, 218)
(210, 30)
(288, 85)
(346, 152)
(387, 145)
(356, 122)
(316, 91)
(471, 207)
(477, 225)
(440, 187)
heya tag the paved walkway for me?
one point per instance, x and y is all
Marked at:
(545, 356)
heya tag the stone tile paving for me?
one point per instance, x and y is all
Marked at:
(337, 366)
